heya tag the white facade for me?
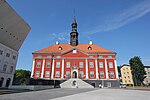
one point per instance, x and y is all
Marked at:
(13, 31)
(7, 64)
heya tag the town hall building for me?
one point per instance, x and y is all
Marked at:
(74, 64)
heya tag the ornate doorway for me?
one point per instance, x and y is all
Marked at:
(74, 74)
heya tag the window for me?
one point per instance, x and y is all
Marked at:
(68, 65)
(39, 56)
(67, 74)
(100, 57)
(48, 64)
(90, 56)
(92, 74)
(101, 74)
(100, 64)
(129, 81)
(37, 73)
(58, 57)
(111, 74)
(48, 56)
(1, 52)
(11, 69)
(4, 68)
(81, 64)
(110, 65)
(38, 64)
(91, 65)
(14, 57)
(47, 74)
(7, 55)
(109, 57)
(57, 73)
(57, 64)
(74, 51)
(81, 74)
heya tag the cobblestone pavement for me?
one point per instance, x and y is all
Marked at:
(79, 94)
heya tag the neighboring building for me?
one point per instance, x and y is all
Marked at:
(13, 31)
(147, 79)
(89, 62)
(126, 75)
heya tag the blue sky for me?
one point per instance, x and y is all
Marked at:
(122, 26)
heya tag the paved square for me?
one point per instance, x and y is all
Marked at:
(79, 94)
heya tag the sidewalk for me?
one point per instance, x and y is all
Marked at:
(139, 88)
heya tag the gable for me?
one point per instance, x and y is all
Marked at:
(74, 53)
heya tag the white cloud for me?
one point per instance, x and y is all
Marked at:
(63, 36)
(118, 20)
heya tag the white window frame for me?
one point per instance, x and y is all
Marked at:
(81, 74)
(67, 64)
(91, 74)
(74, 51)
(38, 64)
(81, 64)
(57, 74)
(110, 65)
(48, 64)
(57, 64)
(67, 73)
(101, 65)
(101, 74)
(112, 74)
(91, 64)
(47, 74)
(37, 75)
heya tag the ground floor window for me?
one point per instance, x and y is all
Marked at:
(92, 74)
(81, 74)
(37, 73)
(101, 74)
(67, 74)
(111, 74)
(57, 74)
(47, 74)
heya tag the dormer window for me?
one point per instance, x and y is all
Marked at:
(59, 48)
(89, 48)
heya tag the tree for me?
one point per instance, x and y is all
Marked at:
(138, 71)
(20, 73)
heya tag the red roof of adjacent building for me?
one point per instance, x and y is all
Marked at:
(67, 47)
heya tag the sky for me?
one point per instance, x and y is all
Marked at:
(122, 26)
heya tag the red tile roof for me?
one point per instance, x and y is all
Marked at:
(66, 47)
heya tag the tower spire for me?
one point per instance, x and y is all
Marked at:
(74, 33)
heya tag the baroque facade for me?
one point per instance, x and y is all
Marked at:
(89, 62)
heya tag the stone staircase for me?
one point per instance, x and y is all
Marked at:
(75, 83)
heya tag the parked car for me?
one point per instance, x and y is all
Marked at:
(122, 86)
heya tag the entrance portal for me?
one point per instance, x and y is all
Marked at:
(74, 75)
